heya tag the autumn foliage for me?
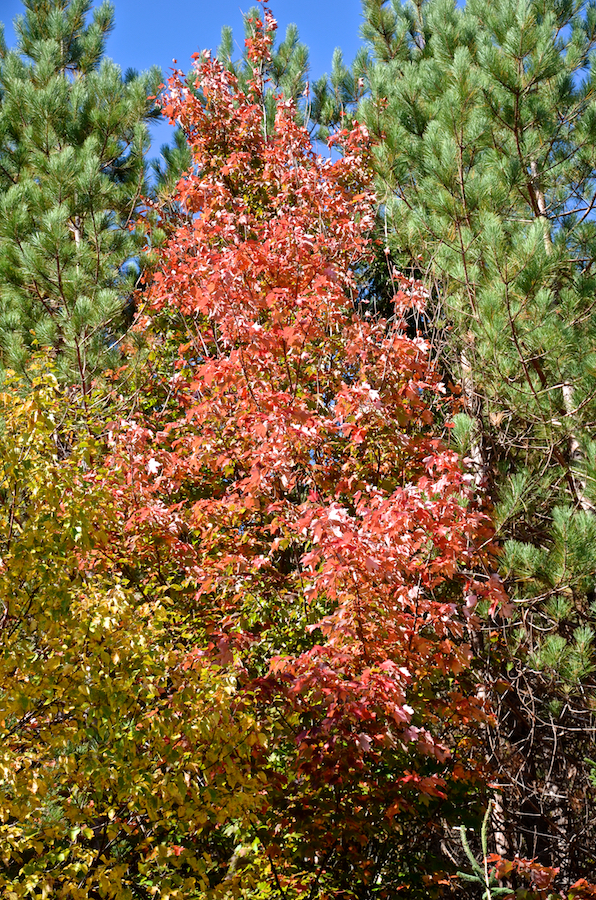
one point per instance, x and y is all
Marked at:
(288, 491)
(261, 631)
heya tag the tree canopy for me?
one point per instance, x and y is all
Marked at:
(484, 117)
(73, 138)
(296, 564)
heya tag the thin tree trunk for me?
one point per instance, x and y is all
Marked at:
(477, 456)
(576, 456)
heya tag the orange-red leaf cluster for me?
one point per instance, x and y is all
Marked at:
(320, 537)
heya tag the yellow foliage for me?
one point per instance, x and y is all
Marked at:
(119, 762)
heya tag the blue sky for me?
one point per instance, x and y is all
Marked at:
(153, 32)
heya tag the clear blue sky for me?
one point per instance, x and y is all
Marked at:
(154, 32)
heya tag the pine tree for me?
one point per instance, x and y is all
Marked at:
(72, 142)
(486, 119)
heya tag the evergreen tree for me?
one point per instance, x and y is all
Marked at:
(72, 141)
(485, 119)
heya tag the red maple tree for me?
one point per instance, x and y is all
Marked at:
(282, 482)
